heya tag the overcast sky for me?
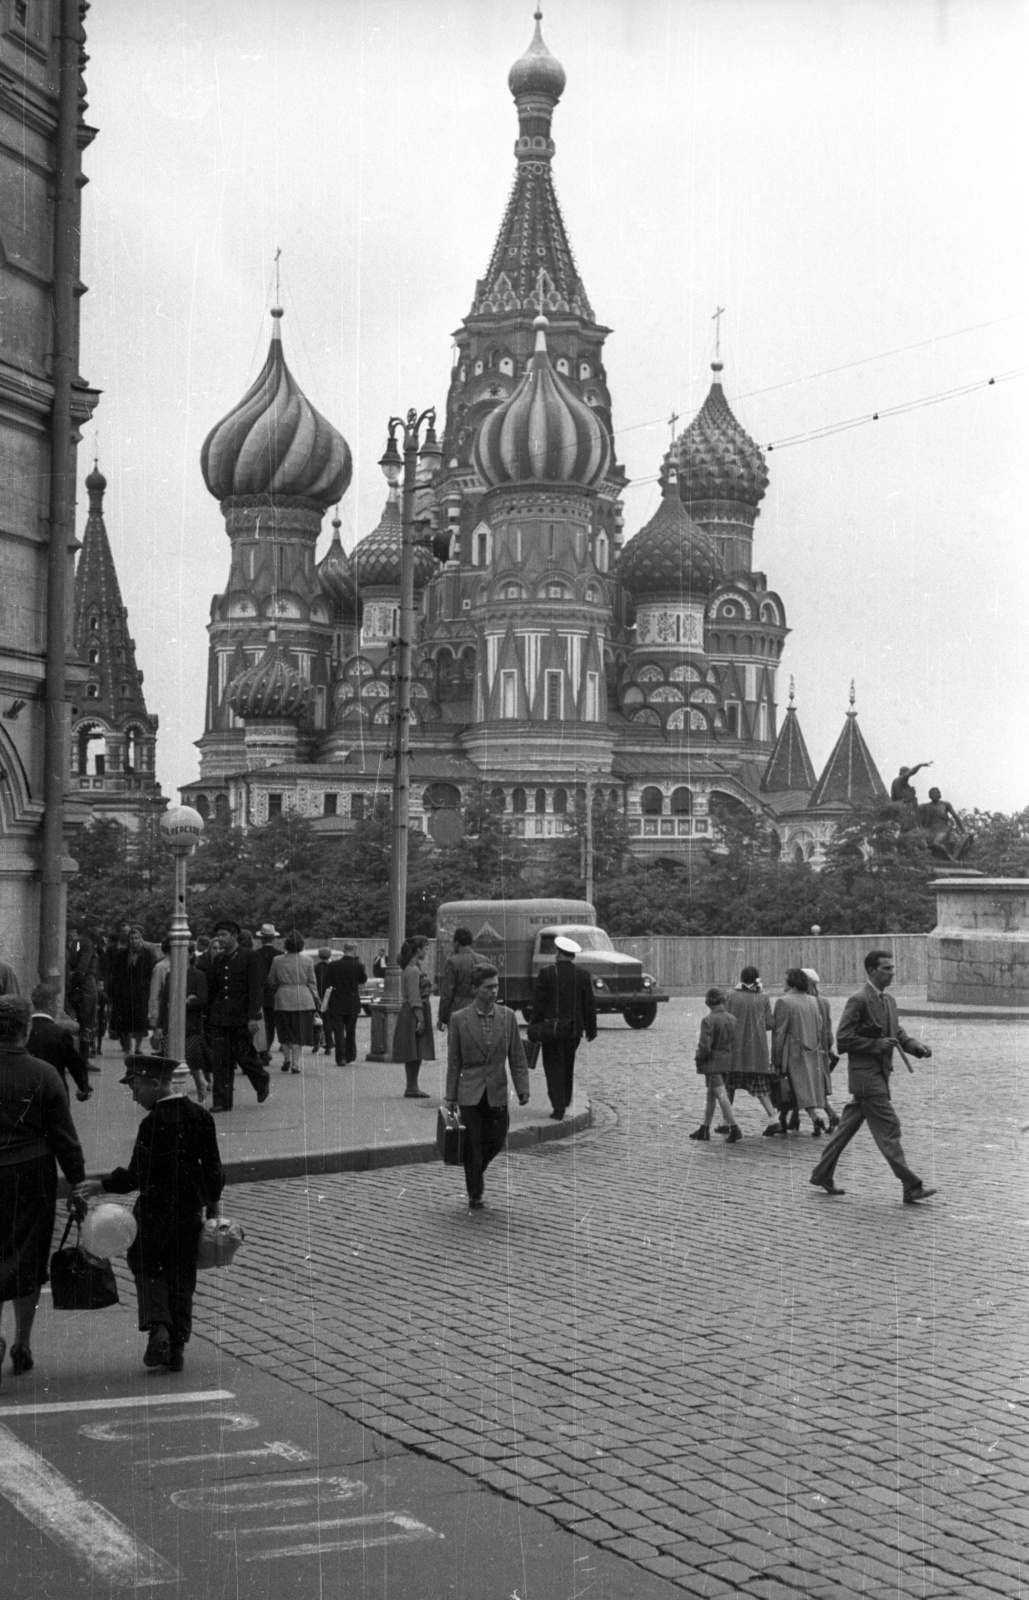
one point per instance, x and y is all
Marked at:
(846, 177)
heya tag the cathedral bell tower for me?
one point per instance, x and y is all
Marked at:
(541, 607)
(531, 272)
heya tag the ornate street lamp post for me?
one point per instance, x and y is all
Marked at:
(182, 828)
(403, 469)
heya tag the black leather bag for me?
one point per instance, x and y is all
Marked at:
(548, 1030)
(450, 1136)
(780, 1092)
(79, 1281)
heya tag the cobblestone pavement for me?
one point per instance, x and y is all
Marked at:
(682, 1351)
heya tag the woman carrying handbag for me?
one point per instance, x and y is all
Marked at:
(412, 1036)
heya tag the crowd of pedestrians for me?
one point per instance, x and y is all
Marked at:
(783, 1055)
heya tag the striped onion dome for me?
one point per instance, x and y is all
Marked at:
(336, 577)
(543, 433)
(273, 688)
(376, 560)
(537, 71)
(715, 457)
(670, 556)
(274, 441)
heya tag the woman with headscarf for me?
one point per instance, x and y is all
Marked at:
(412, 1036)
(796, 1035)
(752, 1009)
(36, 1133)
(828, 1056)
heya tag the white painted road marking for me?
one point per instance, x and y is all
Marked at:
(271, 1447)
(404, 1530)
(80, 1527)
(139, 1427)
(238, 1494)
(55, 1408)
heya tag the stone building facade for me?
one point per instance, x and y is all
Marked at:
(553, 659)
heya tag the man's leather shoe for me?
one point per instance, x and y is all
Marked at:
(477, 1205)
(176, 1359)
(262, 1094)
(827, 1184)
(912, 1196)
(158, 1349)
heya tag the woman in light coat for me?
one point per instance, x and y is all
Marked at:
(412, 1036)
(752, 1009)
(796, 1041)
(291, 975)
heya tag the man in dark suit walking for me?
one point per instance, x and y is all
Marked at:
(326, 956)
(483, 1043)
(48, 1041)
(458, 985)
(343, 1006)
(236, 991)
(868, 1034)
(563, 1009)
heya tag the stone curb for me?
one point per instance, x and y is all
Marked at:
(372, 1158)
(940, 1009)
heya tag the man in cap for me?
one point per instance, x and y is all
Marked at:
(235, 993)
(343, 1001)
(177, 1171)
(267, 950)
(563, 1009)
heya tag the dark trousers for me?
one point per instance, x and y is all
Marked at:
(163, 1260)
(559, 1069)
(232, 1048)
(346, 1038)
(874, 1106)
(330, 1027)
(485, 1132)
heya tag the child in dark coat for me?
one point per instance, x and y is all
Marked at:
(714, 1060)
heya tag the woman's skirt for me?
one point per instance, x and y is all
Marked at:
(409, 1045)
(752, 1082)
(294, 1027)
(28, 1205)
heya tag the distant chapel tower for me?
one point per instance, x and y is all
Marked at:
(114, 737)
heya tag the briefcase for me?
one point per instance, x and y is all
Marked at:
(450, 1136)
(80, 1281)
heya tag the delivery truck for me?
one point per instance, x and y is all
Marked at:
(517, 937)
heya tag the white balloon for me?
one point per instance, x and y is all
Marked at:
(108, 1230)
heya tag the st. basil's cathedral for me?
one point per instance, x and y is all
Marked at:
(552, 660)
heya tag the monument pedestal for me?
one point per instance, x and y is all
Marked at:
(979, 949)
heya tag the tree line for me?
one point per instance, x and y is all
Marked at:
(875, 880)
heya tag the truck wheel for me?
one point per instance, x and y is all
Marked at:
(640, 1016)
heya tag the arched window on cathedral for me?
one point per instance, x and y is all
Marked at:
(652, 802)
(92, 750)
(560, 805)
(539, 804)
(601, 551)
(202, 806)
(519, 802)
(133, 750)
(681, 802)
(498, 796)
(94, 655)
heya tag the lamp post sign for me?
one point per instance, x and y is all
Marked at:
(182, 828)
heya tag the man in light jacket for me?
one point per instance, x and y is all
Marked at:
(483, 1044)
(868, 1034)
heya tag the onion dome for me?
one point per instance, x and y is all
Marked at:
(96, 483)
(336, 576)
(716, 458)
(537, 71)
(274, 442)
(543, 433)
(376, 560)
(273, 688)
(671, 555)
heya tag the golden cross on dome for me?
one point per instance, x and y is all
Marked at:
(278, 252)
(673, 419)
(717, 320)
